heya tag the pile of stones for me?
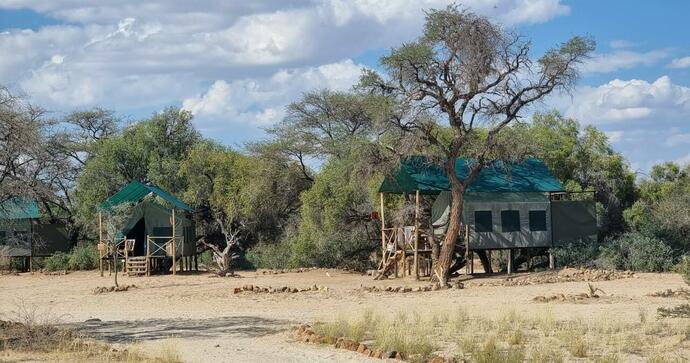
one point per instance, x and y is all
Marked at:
(274, 290)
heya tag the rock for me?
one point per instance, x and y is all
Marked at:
(419, 289)
(367, 352)
(315, 288)
(391, 354)
(377, 354)
(361, 348)
(458, 285)
(236, 290)
(349, 345)
(92, 320)
(294, 290)
(435, 287)
(407, 289)
(399, 356)
(437, 359)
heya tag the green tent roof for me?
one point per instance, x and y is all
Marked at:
(419, 173)
(135, 191)
(18, 208)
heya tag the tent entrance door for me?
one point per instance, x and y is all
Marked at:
(138, 233)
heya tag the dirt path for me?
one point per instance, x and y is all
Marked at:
(211, 323)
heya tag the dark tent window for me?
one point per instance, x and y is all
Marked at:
(3, 237)
(483, 221)
(510, 221)
(162, 231)
(537, 220)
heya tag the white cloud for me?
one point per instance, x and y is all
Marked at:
(625, 100)
(680, 63)
(260, 101)
(620, 44)
(622, 59)
(678, 139)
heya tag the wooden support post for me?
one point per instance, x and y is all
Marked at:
(100, 241)
(196, 263)
(383, 235)
(510, 261)
(471, 263)
(467, 248)
(395, 249)
(174, 243)
(404, 252)
(551, 261)
(126, 256)
(148, 256)
(416, 236)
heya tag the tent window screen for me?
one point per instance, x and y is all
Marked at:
(510, 221)
(537, 220)
(3, 237)
(483, 221)
(162, 231)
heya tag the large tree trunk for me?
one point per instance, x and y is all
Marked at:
(448, 249)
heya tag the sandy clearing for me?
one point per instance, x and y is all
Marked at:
(211, 323)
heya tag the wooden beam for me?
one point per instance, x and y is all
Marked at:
(383, 235)
(551, 260)
(510, 261)
(100, 241)
(416, 236)
(148, 256)
(467, 248)
(174, 243)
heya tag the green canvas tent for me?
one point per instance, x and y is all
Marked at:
(508, 205)
(22, 234)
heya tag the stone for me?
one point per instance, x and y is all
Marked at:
(361, 348)
(367, 352)
(390, 354)
(237, 290)
(377, 354)
(407, 289)
(437, 359)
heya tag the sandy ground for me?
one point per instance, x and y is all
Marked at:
(211, 323)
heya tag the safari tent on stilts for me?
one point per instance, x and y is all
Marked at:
(156, 234)
(518, 206)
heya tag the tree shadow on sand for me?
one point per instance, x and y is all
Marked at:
(153, 329)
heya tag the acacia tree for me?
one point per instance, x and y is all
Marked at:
(468, 73)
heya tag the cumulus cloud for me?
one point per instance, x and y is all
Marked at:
(678, 139)
(258, 102)
(683, 62)
(624, 100)
(127, 53)
(614, 136)
(622, 59)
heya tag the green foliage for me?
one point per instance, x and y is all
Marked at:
(583, 159)
(151, 150)
(683, 268)
(83, 257)
(331, 232)
(576, 253)
(636, 252)
(269, 255)
(57, 262)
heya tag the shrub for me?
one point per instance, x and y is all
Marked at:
(636, 252)
(83, 257)
(57, 262)
(576, 253)
(683, 268)
(269, 255)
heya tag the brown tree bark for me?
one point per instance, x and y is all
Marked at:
(448, 249)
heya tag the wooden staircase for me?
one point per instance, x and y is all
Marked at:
(136, 266)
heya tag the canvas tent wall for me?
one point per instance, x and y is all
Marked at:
(499, 220)
(152, 219)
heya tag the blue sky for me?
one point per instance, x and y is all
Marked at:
(236, 65)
